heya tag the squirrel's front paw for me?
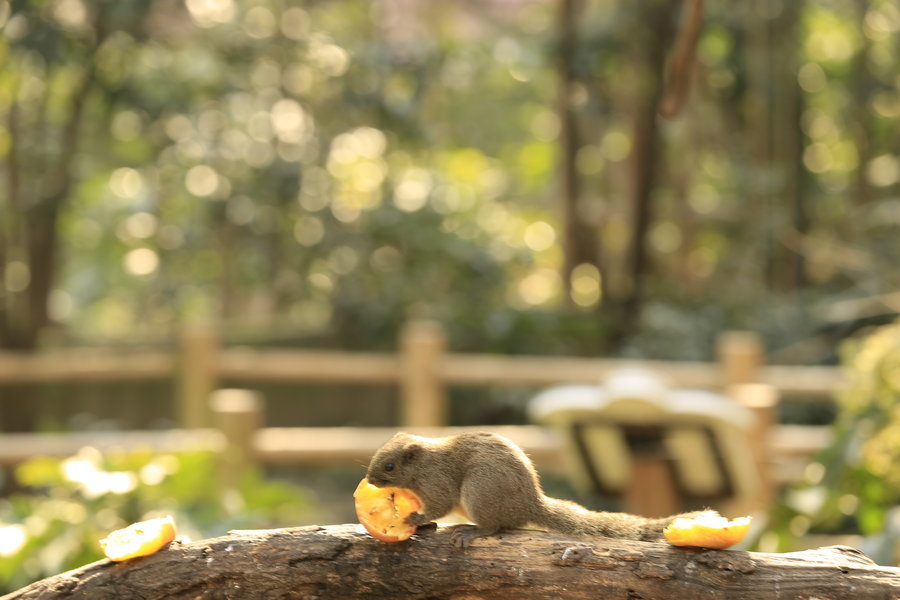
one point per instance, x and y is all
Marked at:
(417, 519)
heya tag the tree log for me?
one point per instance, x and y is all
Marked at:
(340, 561)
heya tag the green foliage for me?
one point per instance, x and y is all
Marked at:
(855, 484)
(66, 506)
(325, 171)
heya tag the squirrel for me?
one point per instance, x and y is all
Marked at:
(488, 480)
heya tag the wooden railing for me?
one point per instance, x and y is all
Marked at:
(422, 369)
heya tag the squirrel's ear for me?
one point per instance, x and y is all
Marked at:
(411, 451)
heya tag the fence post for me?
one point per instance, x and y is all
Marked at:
(651, 491)
(197, 375)
(762, 400)
(741, 357)
(422, 393)
(239, 415)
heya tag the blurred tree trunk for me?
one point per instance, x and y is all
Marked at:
(774, 106)
(40, 175)
(653, 36)
(579, 237)
(12, 250)
(788, 106)
(758, 136)
(29, 249)
(862, 125)
(39, 184)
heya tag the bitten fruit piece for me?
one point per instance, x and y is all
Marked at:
(707, 531)
(140, 539)
(382, 511)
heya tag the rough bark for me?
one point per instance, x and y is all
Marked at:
(342, 562)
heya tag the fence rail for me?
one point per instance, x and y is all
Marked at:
(789, 449)
(79, 365)
(421, 368)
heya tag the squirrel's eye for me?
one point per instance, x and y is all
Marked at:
(389, 467)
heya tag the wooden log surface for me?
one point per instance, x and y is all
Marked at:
(340, 561)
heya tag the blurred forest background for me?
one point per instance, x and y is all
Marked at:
(317, 173)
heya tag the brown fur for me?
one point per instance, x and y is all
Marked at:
(490, 481)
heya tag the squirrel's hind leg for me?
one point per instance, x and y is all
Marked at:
(463, 534)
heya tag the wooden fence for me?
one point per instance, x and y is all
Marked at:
(422, 369)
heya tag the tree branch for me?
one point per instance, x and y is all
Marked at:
(342, 562)
(682, 59)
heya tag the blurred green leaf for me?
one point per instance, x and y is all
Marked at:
(43, 533)
(39, 472)
(862, 477)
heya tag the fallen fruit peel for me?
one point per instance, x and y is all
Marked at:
(707, 531)
(139, 539)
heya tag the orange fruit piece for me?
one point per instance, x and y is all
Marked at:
(139, 539)
(382, 510)
(707, 531)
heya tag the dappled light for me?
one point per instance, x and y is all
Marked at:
(401, 213)
(201, 140)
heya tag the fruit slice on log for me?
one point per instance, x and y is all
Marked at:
(139, 539)
(383, 510)
(707, 531)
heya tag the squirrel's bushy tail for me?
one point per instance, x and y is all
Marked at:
(572, 519)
